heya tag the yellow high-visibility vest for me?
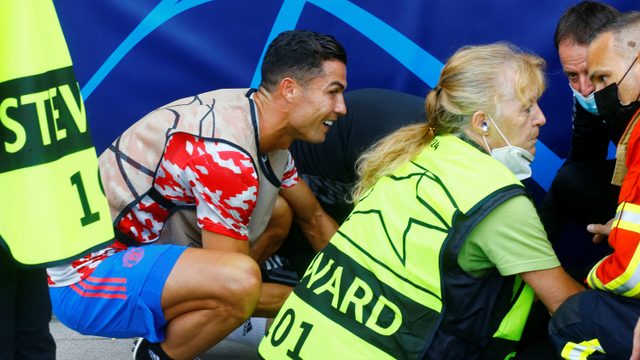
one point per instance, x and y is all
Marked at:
(381, 288)
(53, 208)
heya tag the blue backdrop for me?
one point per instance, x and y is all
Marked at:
(131, 57)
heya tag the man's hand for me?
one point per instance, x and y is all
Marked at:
(635, 354)
(600, 231)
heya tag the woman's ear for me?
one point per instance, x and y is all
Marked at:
(479, 123)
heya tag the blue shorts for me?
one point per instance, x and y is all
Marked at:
(121, 298)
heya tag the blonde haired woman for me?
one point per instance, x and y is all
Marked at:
(431, 262)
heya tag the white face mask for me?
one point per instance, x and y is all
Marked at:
(516, 159)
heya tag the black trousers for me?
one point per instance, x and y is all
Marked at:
(595, 314)
(25, 313)
(581, 194)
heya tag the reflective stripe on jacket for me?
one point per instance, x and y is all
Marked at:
(620, 271)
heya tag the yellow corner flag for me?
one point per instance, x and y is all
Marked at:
(53, 209)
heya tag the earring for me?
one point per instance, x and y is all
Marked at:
(485, 127)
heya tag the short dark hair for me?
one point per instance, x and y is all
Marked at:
(300, 55)
(626, 31)
(578, 22)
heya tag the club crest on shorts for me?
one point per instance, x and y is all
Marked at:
(132, 257)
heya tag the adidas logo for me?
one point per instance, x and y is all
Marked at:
(153, 355)
(273, 262)
(246, 327)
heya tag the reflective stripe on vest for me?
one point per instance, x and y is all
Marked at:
(508, 335)
(573, 351)
(628, 283)
(53, 208)
(513, 323)
(375, 291)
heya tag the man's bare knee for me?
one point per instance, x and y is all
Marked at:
(208, 280)
(244, 289)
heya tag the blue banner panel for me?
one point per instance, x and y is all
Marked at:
(131, 57)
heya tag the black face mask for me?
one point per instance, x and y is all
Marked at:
(611, 109)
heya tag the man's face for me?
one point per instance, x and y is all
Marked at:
(573, 58)
(607, 66)
(320, 104)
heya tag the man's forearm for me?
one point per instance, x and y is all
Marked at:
(271, 300)
(319, 230)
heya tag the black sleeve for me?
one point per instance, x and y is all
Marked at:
(329, 168)
(376, 113)
(591, 136)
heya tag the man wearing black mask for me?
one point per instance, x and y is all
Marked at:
(599, 323)
(609, 99)
(582, 189)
